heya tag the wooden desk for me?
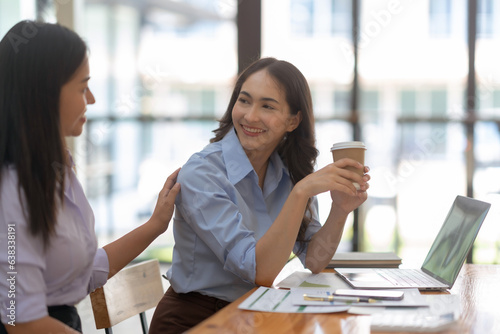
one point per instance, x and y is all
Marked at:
(477, 285)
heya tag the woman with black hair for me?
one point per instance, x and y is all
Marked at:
(49, 258)
(248, 199)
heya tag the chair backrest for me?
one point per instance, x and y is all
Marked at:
(132, 291)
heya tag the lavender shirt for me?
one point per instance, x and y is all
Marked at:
(65, 273)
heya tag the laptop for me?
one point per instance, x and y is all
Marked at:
(444, 260)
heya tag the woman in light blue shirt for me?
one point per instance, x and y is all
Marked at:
(248, 199)
(49, 260)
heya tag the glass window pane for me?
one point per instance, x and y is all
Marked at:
(369, 106)
(341, 103)
(487, 133)
(408, 105)
(301, 14)
(341, 18)
(487, 149)
(325, 59)
(440, 13)
(404, 85)
(487, 69)
(12, 12)
(485, 14)
(422, 169)
(146, 73)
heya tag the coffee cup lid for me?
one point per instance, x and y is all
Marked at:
(348, 144)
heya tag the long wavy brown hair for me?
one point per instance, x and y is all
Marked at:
(297, 149)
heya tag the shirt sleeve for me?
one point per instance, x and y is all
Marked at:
(100, 270)
(22, 284)
(208, 203)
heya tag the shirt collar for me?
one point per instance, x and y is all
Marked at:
(70, 159)
(238, 166)
(277, 166)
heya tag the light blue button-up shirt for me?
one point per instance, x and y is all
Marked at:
(65, 273)
(221, 213)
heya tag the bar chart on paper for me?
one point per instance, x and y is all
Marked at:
(280, 301)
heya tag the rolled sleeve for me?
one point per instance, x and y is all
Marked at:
(24, 309)
(22, 282)
(241, 260)
(100, 271)
(25, 299)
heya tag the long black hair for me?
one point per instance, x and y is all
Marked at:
(36, 60)
(298, 149)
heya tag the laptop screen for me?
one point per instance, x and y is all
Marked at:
(455, 239)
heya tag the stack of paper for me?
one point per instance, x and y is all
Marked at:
(364, 260)
(281, 301)
(412, 298)
(414, 312)
(293, 301)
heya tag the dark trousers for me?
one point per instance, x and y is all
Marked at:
(64, 313)
(178, 312)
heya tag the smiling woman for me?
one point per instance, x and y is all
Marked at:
(249, 199)
(261, 118)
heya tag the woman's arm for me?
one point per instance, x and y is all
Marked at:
(45, 325)
(273, 249)
(326, 241)
(128, 247)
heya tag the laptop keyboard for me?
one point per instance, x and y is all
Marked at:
(408, 277)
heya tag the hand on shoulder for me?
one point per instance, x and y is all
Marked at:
(164, 208)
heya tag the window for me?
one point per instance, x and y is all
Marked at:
(320, 18)
(13, 11)
(439, 105)
(301, 14)
(370, 106)
(485, 14)
(157, 82)
(341, 103)
(408, 109)
(440, 18)
(412, 72)
(341, 18)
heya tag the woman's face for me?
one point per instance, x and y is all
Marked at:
(75, 95)
(261, 115)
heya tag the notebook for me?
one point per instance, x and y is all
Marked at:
(444, 260)
(365, 260)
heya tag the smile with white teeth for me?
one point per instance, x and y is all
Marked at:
(252, 130)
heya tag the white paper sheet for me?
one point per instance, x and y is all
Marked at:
(280, 301)
(309, 280)
(412, 298)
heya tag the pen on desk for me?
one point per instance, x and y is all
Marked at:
(339, 299)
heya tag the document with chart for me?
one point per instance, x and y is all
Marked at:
(277, 300)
